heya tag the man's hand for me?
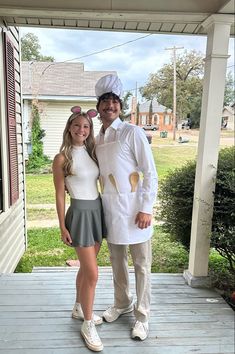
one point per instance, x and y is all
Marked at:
(143, 220)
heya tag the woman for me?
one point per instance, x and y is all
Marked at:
(75, 169)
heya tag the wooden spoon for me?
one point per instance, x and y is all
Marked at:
(101, 182)
(134, 179)
(113, 181)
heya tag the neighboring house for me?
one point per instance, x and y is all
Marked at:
(56, 87)
(13, 237)
(228, 120)
(160, 116)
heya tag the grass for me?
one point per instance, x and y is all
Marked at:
(40, 188)
(168, 158)
(46, 249)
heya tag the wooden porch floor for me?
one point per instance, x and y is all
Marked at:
(35, 316)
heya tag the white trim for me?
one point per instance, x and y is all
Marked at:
(223, 19)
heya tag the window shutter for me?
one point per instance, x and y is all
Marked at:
(11, 117)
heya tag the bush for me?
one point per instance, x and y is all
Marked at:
(37, 160)
(176, 195)
(223, 222)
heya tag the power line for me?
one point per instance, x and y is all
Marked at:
(98, 52)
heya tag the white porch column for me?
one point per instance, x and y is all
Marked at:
(218, 31)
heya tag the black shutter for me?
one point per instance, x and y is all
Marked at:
(11, 120)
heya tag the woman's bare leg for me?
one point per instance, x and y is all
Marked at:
(87, 278)
(79, 274)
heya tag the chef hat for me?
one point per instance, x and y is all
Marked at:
(107, 84)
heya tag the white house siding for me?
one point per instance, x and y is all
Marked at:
(54, 116)
(12, 220)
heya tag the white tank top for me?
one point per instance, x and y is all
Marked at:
(83, 183)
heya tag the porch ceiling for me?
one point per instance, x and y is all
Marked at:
(149, 16)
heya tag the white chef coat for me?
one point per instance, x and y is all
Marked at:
(121, 150)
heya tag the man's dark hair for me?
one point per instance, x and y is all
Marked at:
(107, 96)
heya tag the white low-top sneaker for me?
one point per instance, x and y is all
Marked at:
(91, 337)
(112, 313)
(78, 314)
(140, 330)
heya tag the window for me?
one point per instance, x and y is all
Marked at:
(143, 119)
(156, 119)
(166, 119)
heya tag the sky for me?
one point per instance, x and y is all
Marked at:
(133, 61)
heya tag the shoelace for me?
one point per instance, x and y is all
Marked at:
(92, 332)
(110, 310)
(138, 324)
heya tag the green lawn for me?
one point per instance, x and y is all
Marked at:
(46, 249)
(40, 188)
(169, 157)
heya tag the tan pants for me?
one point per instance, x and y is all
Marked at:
(141, 254)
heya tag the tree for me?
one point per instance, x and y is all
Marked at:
(125, 104)
(36, 159)
(229, 90)
(189, 76)
(30, 49)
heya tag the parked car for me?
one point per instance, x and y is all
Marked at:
(150, 127)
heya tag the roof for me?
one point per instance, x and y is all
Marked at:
(63, 79)
(150, 16)
(229, 109)
(157, 107)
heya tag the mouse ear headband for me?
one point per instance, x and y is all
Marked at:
(91, 112)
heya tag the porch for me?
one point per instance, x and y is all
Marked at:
(35, 316)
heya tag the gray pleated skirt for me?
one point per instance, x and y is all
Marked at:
(85, 222)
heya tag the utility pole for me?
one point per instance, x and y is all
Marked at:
(174, 87)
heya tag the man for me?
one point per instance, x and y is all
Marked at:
(123, 154)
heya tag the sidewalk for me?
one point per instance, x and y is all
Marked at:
(54, 222)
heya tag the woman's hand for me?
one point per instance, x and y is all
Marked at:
(65, 237)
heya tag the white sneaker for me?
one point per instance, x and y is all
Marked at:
(78, 314)
(140, 330)
(112, 313)
(91, 337)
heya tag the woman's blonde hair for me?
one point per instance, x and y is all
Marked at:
(67, 145)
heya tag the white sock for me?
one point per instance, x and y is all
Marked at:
(86, 323)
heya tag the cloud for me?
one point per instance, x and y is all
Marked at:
(133, 61)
